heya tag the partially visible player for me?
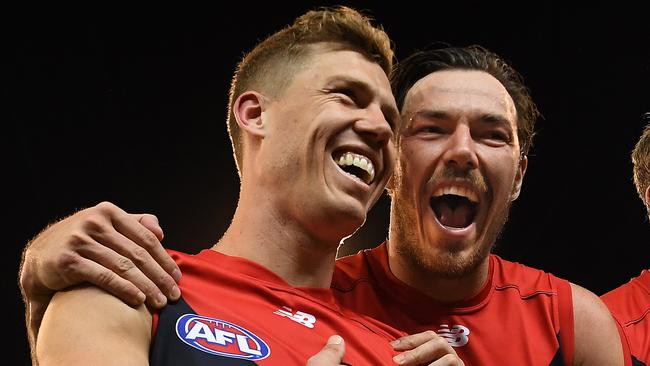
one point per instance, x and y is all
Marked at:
(630, 303)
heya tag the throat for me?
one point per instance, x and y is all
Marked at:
(453, 211)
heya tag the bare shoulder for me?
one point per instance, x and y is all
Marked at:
(589, 304)
(86, 325)
(597, 340)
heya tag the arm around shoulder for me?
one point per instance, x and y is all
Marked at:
(597, 340)
(88, 326)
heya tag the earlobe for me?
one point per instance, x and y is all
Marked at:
(248, 110)
(519, 178)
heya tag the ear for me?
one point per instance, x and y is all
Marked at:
(248, 110)
(519, 178)
(647, 196)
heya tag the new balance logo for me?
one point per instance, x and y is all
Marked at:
(456, 336)
(299, 317)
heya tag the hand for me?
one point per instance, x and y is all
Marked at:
(105, 246)
(423, 348)
(331, 354)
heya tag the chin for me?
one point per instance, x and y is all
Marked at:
(448, 262)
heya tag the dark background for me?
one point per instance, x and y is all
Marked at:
(129, 106)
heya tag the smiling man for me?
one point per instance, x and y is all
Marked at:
(468, 124)
(313, 141)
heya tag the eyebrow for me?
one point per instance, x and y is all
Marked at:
(495, 119)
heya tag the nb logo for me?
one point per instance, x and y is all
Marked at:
(299, 317)
(456, 336)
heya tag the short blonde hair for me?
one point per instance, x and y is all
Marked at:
(641, 162)
(269, 67)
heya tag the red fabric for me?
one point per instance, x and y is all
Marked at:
(514, 320)
(630, 305)
(241, 292)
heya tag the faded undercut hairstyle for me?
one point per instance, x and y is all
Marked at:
(641, 162)
(269, 67)
(423, 63)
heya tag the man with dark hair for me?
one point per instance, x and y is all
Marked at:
(467, 126)
(630, 303)
(314, 145)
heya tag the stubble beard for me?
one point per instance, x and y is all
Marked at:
(450, 263)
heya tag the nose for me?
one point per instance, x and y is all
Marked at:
(461, 149)
(374, 127)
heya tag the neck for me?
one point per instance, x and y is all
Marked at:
(442, 288)
(261, 234)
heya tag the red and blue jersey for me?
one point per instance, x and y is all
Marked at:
(236, 312)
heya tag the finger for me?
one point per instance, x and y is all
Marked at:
(331, 355)
(150, 222)
(432, 350)
(413, 340)
(148, 254)
(113, 260)
(158, 252)
(108, 280)
(448, 360)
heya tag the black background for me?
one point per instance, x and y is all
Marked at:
(129, 105)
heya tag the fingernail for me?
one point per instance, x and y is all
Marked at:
(141, 297)
(161, 299)
(335, 339)
(176, 275)
(175, 293)
(399, 358)
(395, 342)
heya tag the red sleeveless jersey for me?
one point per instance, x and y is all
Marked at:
(236, 312)
(522, 316)
(630, 305)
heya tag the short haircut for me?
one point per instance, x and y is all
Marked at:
(270, 66)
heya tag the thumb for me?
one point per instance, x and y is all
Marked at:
(331, 354)
(151, 222)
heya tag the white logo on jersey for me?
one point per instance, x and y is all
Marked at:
(299, 317)
(456, 336)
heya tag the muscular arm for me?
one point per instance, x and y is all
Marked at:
(88, 326)
(597, 341)
(102, 245)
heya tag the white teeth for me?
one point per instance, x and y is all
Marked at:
(360, 161)
(457, 191)
(363, 163)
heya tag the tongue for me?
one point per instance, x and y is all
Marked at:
(456, 216)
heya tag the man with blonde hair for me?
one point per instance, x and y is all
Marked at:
(312, 121)
(630, 303)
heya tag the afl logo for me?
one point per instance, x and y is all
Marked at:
(220, 338)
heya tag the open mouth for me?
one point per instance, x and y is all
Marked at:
(454, 207)
(356, 165)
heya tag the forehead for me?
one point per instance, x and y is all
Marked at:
(327, 63)
(460, 91)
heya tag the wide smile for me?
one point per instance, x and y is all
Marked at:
(455, 207)
(355, 165)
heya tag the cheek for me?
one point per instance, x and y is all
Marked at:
(502, 176)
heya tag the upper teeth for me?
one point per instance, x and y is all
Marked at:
(458, 191)
(359, 161)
